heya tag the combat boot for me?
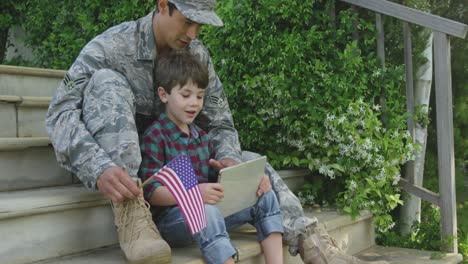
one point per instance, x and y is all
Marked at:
(317, 247)
(138, 236)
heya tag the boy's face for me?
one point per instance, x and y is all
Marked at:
(175, 31)
(183, 103)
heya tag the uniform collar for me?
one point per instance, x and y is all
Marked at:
(146, 45)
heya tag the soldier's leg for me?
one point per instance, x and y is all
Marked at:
(109, 115)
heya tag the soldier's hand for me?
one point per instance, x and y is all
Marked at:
(117, 185)
(211, 193)
(264, 186)
(220, 164)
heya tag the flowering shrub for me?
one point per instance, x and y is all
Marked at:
(308, 94)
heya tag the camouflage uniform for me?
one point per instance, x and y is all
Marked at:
(107, 97)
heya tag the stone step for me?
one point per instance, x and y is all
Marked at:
(30, 163)
(396, 255)
(113, 255)
(244, 239)
(57, 221)
(52, 222)
(26, 81)
(23, 116)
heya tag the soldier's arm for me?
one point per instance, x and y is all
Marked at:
(216, 117)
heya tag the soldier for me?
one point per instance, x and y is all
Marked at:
(106, 99)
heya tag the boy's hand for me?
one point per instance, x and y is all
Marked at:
(211, 193)
(117, 185)
(264, 186)
(220, 164)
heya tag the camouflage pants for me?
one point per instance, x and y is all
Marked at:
(109, 114)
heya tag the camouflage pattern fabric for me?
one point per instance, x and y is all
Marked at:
(91, 119)
(200, 11)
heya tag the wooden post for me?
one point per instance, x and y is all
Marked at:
(355, 23)
(380, 39)
(445, 147)
(409, 77)
(411, 208)
(332, 14)
(381, 56)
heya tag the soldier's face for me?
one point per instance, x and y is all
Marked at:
(177, 31)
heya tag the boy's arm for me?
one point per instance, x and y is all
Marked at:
(162, 197)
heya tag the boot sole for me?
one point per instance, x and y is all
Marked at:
(152, 260)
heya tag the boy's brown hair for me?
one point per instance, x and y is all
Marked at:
(177, 68)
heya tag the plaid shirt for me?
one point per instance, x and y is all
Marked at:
(163, 141)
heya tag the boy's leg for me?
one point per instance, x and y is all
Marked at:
(265, 215)
(302, 234)
(295, 222)
(108, 113)
(213, 240)
(268, 222)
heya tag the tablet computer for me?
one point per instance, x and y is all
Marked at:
(240, 184)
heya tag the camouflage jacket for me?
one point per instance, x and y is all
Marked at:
(129, 49)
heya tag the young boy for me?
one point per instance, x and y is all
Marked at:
(181, 83)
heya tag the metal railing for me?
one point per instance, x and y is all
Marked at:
(442, 29)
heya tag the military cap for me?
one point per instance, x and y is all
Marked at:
(199, 11)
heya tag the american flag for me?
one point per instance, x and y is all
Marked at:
(179, 177)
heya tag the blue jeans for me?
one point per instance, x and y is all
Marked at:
(213, 240)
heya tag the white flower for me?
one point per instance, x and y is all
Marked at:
(313, 133)
(352, 185)
(331, 174)
(342, 119)
(376, 107)
(377, 73)
(323, 168)
(407, 134)
(396, 179)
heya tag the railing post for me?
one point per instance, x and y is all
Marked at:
(381, 55)
(445, 147)
(380, 39)
(411, 209)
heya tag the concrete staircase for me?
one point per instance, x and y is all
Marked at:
(46, 216)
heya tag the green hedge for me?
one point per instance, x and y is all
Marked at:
(307, 94)
(302, 90)
(58, 30)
